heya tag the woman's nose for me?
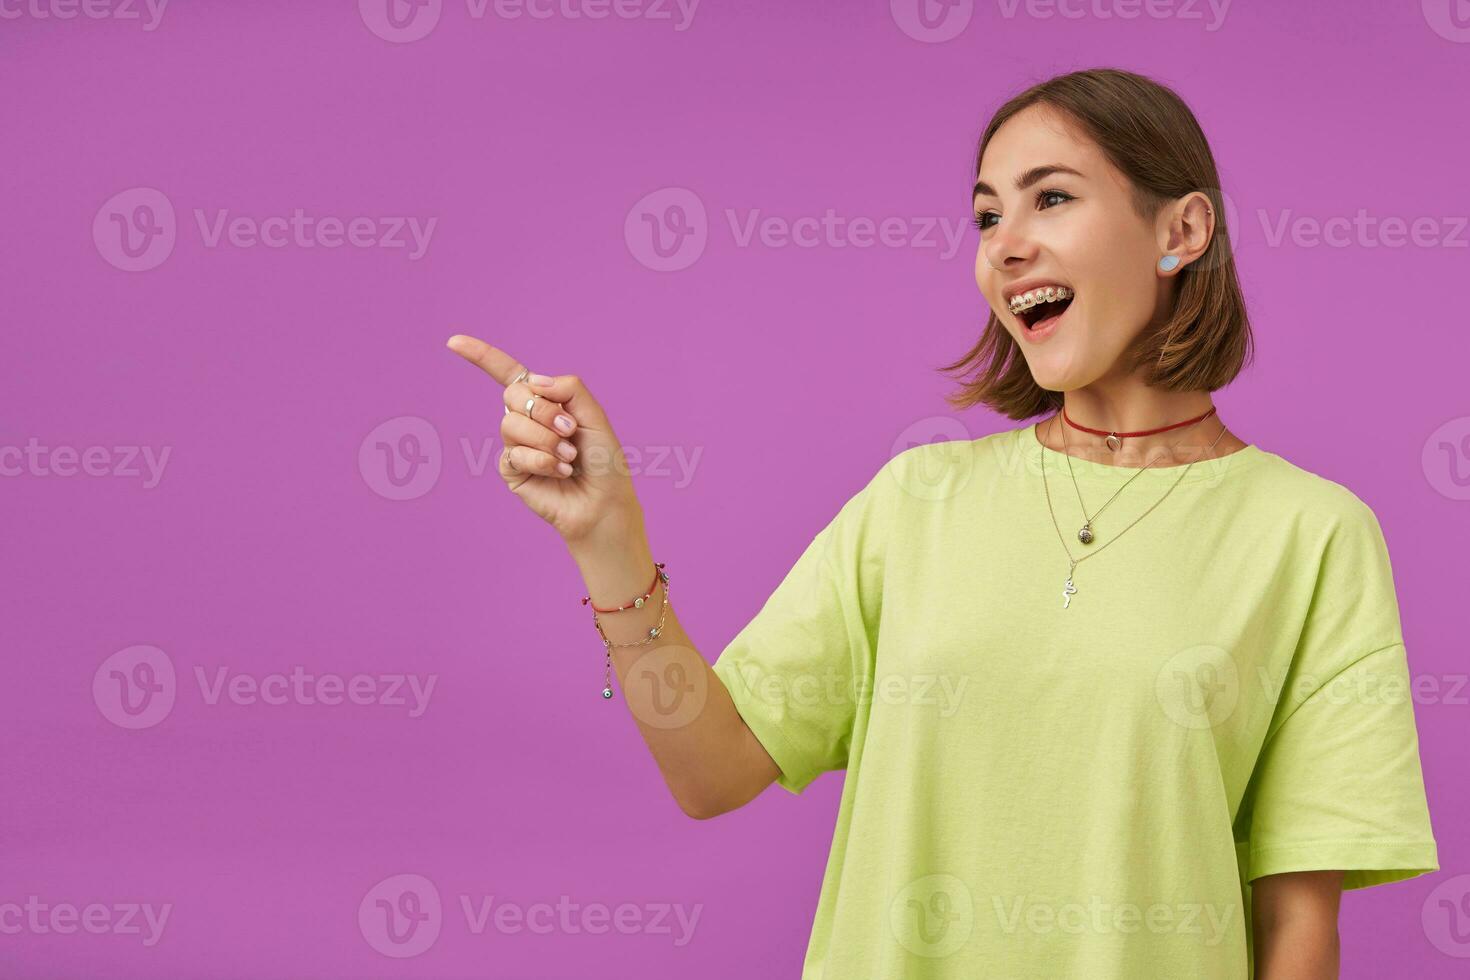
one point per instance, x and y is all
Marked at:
(1007, 245)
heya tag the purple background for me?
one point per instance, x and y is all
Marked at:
(272, 540)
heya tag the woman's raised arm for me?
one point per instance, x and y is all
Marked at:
(564, 462)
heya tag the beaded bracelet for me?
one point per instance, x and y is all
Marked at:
(653, 633)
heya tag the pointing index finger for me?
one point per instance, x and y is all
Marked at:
(492, 360)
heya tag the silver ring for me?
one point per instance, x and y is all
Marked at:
(508, 461)
(519, 377)
(529, 403)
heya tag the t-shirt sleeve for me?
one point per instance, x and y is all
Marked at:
(796, 671)
(1338, 783)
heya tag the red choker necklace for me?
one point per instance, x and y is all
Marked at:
(1115, 439)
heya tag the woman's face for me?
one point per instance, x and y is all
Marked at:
(1053, 211)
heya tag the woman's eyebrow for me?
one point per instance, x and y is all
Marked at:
(1028, 178)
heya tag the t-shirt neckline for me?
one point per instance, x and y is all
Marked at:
(1200, 471)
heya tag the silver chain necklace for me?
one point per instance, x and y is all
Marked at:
(1086, 535)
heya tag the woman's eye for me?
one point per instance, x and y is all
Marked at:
(983, 219)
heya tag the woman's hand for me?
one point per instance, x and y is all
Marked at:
(598, 493)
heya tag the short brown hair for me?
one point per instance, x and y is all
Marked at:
(1148, 133)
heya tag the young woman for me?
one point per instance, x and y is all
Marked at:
(1118, 693)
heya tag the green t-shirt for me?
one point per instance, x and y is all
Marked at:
(1044, 783)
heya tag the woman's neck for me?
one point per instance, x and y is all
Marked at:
(1135, 410)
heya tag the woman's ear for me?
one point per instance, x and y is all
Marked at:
(1186, 230)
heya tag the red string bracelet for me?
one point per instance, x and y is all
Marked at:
(658, 573)
(638, 602)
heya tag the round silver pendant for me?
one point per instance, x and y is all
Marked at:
(607, 692)
(1085, 535)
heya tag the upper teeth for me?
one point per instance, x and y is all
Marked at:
(1048, 294)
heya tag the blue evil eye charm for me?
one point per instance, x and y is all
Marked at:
(1169, 263)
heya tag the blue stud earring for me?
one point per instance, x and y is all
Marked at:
(1169, 263)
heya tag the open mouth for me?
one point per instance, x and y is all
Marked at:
(1036, 310)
